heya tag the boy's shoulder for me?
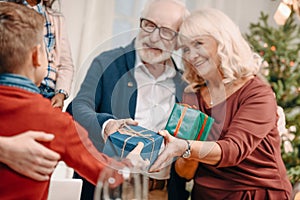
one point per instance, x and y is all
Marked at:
(34, 104)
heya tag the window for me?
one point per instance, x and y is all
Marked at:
(126, 20)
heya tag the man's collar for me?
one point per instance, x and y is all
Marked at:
(170, 70)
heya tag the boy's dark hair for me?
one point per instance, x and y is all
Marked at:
(21, 29)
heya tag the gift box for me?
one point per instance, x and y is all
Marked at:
(187, 123)
(122, 142)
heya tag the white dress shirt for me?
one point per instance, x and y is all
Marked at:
(155, 100)
(155, 97)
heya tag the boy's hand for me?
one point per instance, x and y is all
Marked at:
(139, 164)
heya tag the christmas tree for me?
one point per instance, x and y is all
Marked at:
(280, 48)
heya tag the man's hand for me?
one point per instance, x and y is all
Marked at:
(113, 125)
(24, 154)
(58, 101)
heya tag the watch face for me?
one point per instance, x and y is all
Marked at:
(186, 154)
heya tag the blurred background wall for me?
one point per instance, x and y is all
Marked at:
(97, 25)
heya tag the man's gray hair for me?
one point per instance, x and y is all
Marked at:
(181, 3)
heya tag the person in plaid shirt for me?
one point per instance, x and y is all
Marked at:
(57, 83)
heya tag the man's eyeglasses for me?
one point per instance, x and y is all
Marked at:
(164, 32)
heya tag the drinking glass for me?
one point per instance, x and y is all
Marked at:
(134, 186)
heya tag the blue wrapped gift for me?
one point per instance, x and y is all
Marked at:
(120, 143)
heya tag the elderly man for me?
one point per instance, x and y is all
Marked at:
(137, 84)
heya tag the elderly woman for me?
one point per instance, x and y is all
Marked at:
(242, 158)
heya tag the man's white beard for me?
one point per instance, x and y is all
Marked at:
(150, 57)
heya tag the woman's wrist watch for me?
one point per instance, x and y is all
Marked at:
(187, 152)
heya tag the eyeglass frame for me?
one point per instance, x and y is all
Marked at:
(159, 29)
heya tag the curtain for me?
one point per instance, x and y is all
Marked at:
(89, 24)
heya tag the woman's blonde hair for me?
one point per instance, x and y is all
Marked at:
(237, 59)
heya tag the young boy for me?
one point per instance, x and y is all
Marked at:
(22, 67)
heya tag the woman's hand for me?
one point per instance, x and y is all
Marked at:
(58, 101)
(174, 147)
(24, 154)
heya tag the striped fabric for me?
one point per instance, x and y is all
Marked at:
(49, 38)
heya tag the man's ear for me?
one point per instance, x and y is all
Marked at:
(177, 46)
(36, 56)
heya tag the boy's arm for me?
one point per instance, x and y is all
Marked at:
(79, 153)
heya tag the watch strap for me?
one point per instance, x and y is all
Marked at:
(61, 91)
(187, 152)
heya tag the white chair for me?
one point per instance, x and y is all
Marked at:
(62, 186)
(65, 189)
(62, 171)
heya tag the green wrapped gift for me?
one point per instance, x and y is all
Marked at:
(188, 123)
